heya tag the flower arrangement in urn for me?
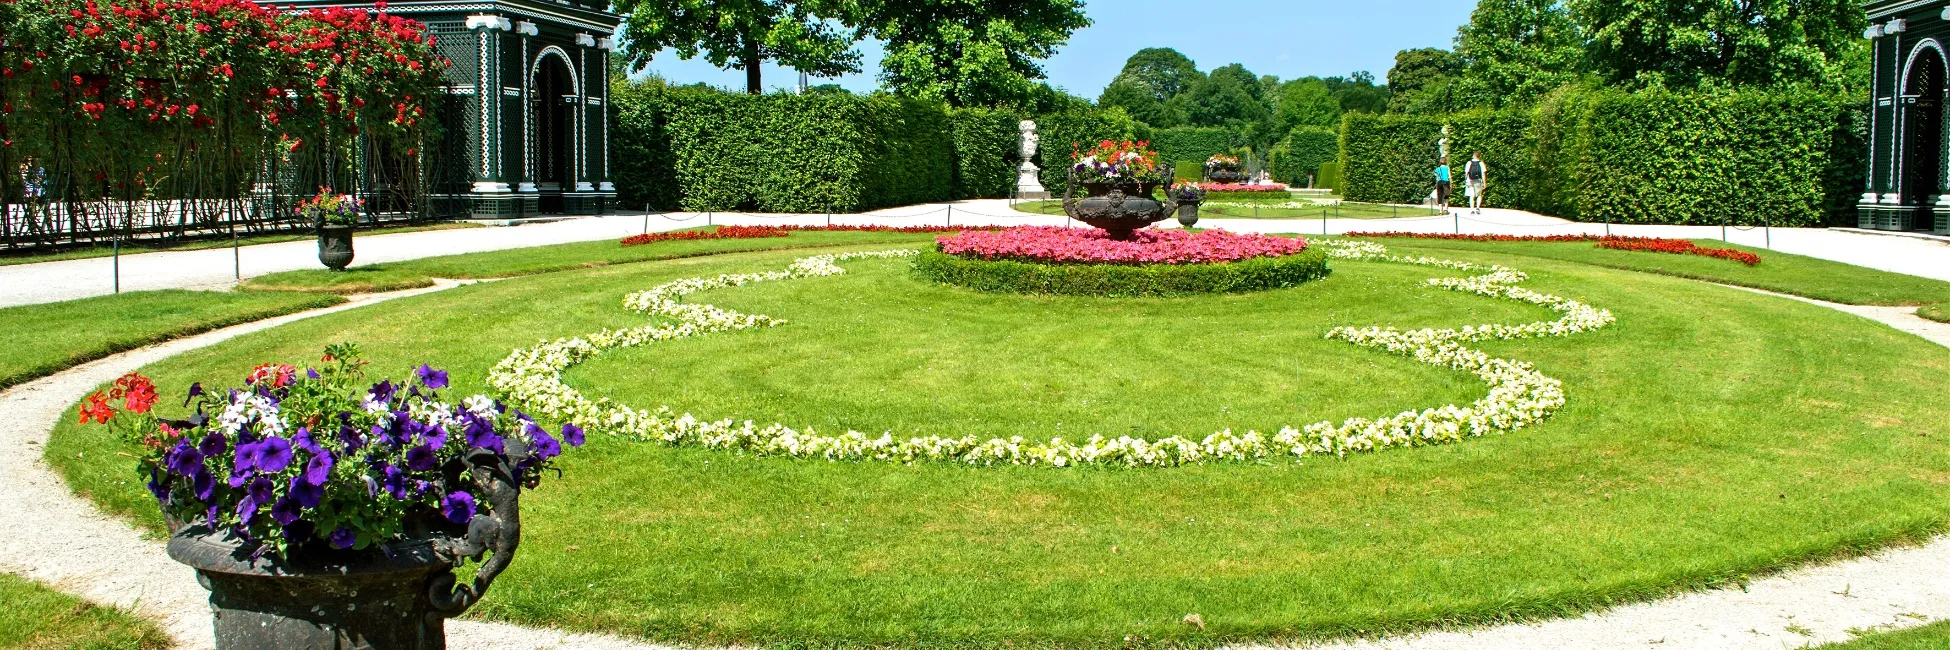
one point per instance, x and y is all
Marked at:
(1120, 181)
(307, 493)
(334, 215)
(1223, 168)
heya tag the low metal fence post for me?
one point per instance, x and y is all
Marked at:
(236, 256)
(116, 254)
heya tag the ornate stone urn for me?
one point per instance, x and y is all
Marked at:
(1225, 172)
(1119, 209)
(335, 246)
(391, 597)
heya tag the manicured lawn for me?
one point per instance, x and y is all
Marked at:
(541, 259)
(1710, 433)
(1282, 209)
(135, 248)
(1938, 312)
(38, 618)
(1934, 636)
(50, 337)
(1779, 272)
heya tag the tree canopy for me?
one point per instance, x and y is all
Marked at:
(1515, 51)
(743, 34)
(1732, 42)
(968, 52)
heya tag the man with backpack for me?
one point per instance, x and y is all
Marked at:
(1475, 176)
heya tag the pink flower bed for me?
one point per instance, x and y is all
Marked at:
(1241, 187)
(1093, 246)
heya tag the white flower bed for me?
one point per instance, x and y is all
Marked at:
(1518, 395)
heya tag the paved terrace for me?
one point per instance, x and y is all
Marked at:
(215, 269)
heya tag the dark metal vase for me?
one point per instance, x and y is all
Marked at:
(335, 246)
(392, 597)
(1188, 214)
(1226, 174)
(1120, 209)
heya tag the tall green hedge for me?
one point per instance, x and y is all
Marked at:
(1790, 159)
(1193, 144)
(1329, 176)
(1302, 153)
(1064, 133)
(642, 166)
(987, 151)
(910, 152)
(1388, 158)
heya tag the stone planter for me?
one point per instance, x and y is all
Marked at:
(1228, 173)
(1188, 213)
(335, 246)
(1117, 208)
(391, 597)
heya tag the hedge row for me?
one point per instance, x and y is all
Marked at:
(1302, 153)
(1650, 157)
(702, 149)
(1122, 281)
(1190, 144)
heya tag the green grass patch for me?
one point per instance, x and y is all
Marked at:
(55, 336)
(139, 247)
(1935, 636)
(1778, 272)
(1710, 434)
(1939, 312)
(39, 618)
(542, 259)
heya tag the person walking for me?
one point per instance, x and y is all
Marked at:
(1476, 176)
(1442, 184)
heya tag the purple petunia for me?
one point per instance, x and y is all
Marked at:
(434, 379)
(480, 433)
(382, 392)
(196, 390)
(435, 435)
(285, 511)
(203, 484)
(459, 507)
(183, 459)
(273, 454)
(544, 446)
(349, 435)
(343, 538)
(213, 445)
(306, 494)
(302, 440)
(421, 459)
(394, 481)
(319, 468)
(572, 434)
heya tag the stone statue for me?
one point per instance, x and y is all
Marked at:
(1028, 185)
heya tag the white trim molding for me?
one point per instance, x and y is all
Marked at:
(486, 21)
(585, 40)
(526, 28)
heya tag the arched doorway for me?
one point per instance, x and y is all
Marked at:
(552, 103)
(1922, 133)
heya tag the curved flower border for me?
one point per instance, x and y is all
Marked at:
(1518, 396)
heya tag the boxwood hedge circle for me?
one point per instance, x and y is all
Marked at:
(1122, 280)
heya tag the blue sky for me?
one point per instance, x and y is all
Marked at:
(1287, 38)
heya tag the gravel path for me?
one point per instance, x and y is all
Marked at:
(50, 535)
(25, 284)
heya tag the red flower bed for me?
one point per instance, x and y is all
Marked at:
(1240, 187)
(1050, 244)
(723, 232)
(1616, 242)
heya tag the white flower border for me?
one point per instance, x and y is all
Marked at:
(1518, 395)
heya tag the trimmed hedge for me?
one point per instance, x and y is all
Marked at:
(910, 150)
(642, 166)
(1388, 158)
(1792, 159)
(1302, 153)
(1122, 281)
(1329, 176)
(987, 151)
(1190, 144)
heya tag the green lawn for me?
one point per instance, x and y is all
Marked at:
(1710, 434)
(54, 336)
(1778, 272)
(136, 248)
(1938, 312)
(1935, 636)
(1296, 209)
(541, 259)
(39, 618)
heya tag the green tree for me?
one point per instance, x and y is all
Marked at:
(1358, 93)
(1228, 97)
(1306, 103)
(969, 52)
(1515, 51)
(742, 35)
(1161, 70)
(1137, 99)
(1686, 43)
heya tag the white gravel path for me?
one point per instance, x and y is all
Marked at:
(24, 284)
(50, 535)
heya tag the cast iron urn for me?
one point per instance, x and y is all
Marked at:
(1188, 213)
(335, 246)
(394, 596)
(1225, 172)
(1120, 208)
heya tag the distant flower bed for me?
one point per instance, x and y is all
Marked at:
(762, 232)
(1242, 187)
(1648, 244)
(1048, 244)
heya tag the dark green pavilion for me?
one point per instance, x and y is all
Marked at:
(1908, 183)
(526, 125)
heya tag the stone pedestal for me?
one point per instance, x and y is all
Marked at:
(1029, 185)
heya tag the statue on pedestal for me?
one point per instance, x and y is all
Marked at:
(1028, 185)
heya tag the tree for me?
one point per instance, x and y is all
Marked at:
(742, 35)
(1685, 43)
(1306, 103)
(1137, 99)
(1243, 78)
(1417, 69)
(1357, 93)
(1163, 71)
(1515, 51)
(969, 52)
(1228, 97)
